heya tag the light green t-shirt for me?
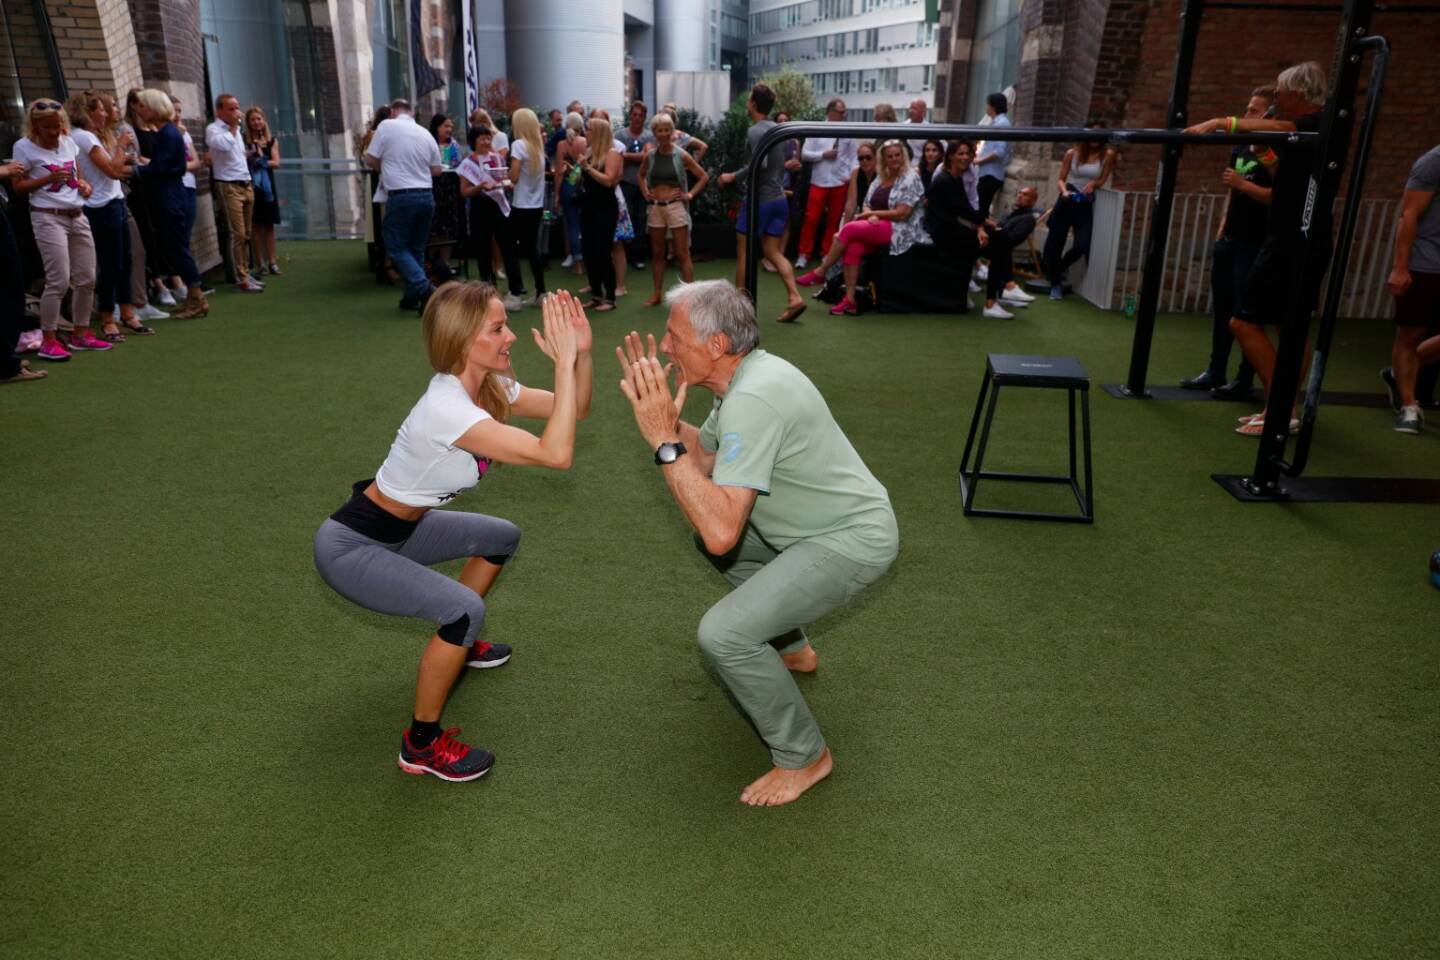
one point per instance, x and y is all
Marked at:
(773, 432)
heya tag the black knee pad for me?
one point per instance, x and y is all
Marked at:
(455, 632)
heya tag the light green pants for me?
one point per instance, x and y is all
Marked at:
(775, 595)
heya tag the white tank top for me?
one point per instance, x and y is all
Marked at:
(424, 467)
(1083, 173)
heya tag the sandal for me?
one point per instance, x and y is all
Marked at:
(140, 329)
(1256, 427)
(112, 336)
(605, 307)
(26, 375)
(790, 315)
(593, 303)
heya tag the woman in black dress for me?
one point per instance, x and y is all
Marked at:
(264, 157)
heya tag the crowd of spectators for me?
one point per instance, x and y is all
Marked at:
(97, 209)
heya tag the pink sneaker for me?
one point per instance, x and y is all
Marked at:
(811, 279)
(88, 341)
(844, 308)
(53, 351)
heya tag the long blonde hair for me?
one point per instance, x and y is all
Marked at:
(245, 127)
(524, 125)
(602, 137)
(453, 316)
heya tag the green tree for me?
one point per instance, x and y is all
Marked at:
(794, 94)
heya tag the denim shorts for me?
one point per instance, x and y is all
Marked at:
(774, 216)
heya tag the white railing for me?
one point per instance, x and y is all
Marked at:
(1122, 224)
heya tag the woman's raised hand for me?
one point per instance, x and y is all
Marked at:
(560, 341)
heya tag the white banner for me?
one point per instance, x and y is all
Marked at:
(472, 62)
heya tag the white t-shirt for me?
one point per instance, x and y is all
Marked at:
(227, 153)
(488, 168)
(188, 180)
(103, 187)
(424, 467)
(530, 187)
(39, 162)
(499, 142)
(406, 152)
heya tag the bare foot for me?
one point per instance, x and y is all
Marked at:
(781, 786)
(804, 660)
(653, 301)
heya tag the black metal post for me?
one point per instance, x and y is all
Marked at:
(1335, 129)
(1176, 115)
(52, 54)
(1351, 213)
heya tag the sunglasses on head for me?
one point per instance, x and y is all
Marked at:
(48, 105)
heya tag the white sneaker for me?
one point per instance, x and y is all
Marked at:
(249, 286)
(997, 312)
(974, 287)
(568, 262)
(1017, 295)
(531, 301)
(164, 298)
(982, 272)
(1005, 301)
(256, 280)
(802, 262)
(150, 312)
(511, 302)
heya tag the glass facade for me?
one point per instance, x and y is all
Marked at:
(900, 36)
(813, 11)
(994, 55)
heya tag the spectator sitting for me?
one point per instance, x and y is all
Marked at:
(954, 217)
(1018, 225)
(890, 219)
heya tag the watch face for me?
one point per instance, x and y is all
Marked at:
(667, 453)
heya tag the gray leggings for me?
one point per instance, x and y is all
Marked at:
(395, 578)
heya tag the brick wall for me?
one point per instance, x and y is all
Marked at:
(1239, 50)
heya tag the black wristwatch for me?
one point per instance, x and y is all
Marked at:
(669, 452)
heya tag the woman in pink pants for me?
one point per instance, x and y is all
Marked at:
(889, 221)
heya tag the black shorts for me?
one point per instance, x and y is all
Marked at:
(1271, 282)
(1420, 305)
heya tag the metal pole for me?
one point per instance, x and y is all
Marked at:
(1351, 213)
(1176, 115)
(1335, 128)
(52, 54)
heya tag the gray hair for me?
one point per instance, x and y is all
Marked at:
(715, 306)
(1306, 79)
(574, 125)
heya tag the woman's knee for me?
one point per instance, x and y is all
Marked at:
(498, 542)
(461, 624)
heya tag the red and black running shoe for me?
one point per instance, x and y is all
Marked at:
(447, 758)
(484, 655)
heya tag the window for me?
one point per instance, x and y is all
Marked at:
(994, 54)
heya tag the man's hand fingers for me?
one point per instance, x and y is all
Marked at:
(680, 397)
(654, 352)
(629, 391)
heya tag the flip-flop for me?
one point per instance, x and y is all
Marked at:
(1256, 427)
(140, 329)
(790, 315)
(26, 375)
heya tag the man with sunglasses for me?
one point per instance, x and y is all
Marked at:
(831, 161)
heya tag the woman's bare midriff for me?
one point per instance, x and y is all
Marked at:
(402, 510)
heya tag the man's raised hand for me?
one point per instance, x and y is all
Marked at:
(656, 413)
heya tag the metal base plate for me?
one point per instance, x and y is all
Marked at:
(1334, 399)
(1337, 489)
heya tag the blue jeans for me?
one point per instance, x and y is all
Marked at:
(406, 230)
(112, 254)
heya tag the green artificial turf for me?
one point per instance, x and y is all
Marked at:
(1199, 728)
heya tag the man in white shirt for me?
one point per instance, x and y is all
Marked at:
(230, 173)
(830, 164)
(407, 158)
(916, 116)
(994, 155)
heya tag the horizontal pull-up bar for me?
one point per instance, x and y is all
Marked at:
(1316, 7)
(961, 131)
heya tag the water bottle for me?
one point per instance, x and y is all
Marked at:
(1129, 306)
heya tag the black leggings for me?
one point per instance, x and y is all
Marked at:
(598, 213)
(1002, 270)
(488, 223)
(526, 226)
(12, 300)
